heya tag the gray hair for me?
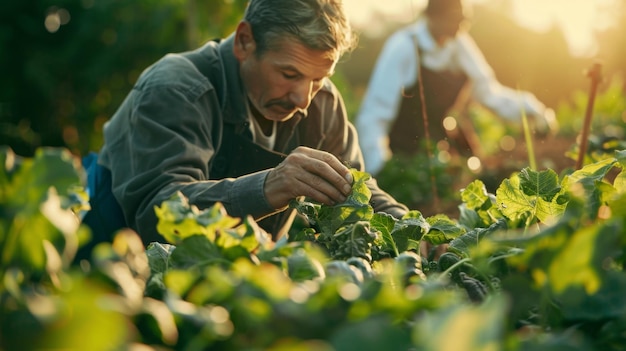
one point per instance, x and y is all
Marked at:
(317, 24)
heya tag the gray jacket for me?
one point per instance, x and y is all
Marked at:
(168, 136)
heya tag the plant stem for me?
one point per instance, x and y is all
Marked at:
(595, 74)
(529, 142)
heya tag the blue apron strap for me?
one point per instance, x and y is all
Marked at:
(105, 216)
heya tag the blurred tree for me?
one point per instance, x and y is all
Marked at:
(67, 64)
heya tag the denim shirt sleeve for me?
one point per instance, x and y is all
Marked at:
(162, 140)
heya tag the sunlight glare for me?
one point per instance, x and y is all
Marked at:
(474, 164)
(577, 18)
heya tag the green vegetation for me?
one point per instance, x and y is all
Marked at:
(536, 266)
(533, 258)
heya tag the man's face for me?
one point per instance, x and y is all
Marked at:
(282, 80)
(446, 25)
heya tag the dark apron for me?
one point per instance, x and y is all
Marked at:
(441, 89)
(239, 155)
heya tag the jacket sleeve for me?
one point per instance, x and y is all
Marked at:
(162, 140)
(340, 139)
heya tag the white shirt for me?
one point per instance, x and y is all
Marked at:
(258, 137)
(396, 68)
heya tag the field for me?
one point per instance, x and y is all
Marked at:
(535, 264)
(523, 252)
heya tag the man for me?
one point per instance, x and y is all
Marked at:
(252, 121)
(437, 54)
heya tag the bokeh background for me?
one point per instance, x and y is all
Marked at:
(66, 65)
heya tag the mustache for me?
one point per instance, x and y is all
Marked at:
(286, 105)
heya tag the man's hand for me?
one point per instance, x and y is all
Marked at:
(308, 172)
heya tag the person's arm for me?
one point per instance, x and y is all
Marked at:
(162, 140)
(506, 102)
(395, 69)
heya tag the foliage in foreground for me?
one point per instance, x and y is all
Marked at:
(536, 266)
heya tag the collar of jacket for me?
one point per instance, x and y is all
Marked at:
(236, 109)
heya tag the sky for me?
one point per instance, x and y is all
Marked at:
(577, 18)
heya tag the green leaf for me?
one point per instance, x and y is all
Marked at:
(596, 171)
(544, 184)
(464, 327)
(34, 199)
(70, 317)
(409, 229)
(475, 195)
(353, 240)
(550, 212)
(195, 251)
(178, 220)
(384, 223)
(301, 266)
(373, 333)
(469, 240)
(580, 261)
(158, 256)
(513, 203)
(442, 230)
(360, 194)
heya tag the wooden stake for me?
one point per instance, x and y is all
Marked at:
(595, 73)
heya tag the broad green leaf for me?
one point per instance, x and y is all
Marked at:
(549, 212)
(384, 223)
(469, 218)
(409, 229)
(196, 251)
(177, 219)
(34, 200)
(573, 263)
(475, 195)
(467, 241)
(180, 281)
(513, 203)
(331, 218)
(607, 303)
(592, 190)
(301, 266)
(442, 230)
(353, 240)
(267, 277)
(360, 194)
(158, 256)
(70, 319)
(373, 333)
(596, 171)
(544, 184)
(32, 177)
(585, 286)
(464, 327)
(620, 156)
